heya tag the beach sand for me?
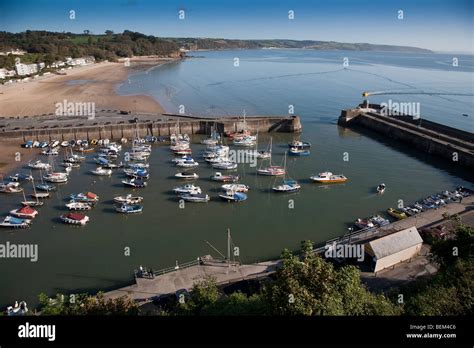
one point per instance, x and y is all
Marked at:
(39, 97)
(9, 160)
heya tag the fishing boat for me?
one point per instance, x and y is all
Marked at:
(101, 171)
(129, 199)
(25, 212)
(225, 165)
(187, 164)
(187, 176)
(363, 223)
(270, 170)
(381, 188)
(233, 196)
(328, 178)
(224, 178)
(300, 144)
(134, 183)
(75, 219)
(195, 197)
(288, 185)
(188, 188)
(10, 187)
(88, 197)
(235, 187)
(39, 165)
(379, 221)
(396, 213)
(78, 206)
(129, 208)
(295, 151)
(14, 222)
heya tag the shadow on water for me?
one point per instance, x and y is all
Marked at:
(411, 151)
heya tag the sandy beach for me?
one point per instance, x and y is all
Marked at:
(39, 97)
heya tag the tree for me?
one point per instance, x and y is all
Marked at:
(109, 32)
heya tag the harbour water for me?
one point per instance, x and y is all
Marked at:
(76, 259)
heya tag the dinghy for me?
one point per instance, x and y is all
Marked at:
(381, 188)
(129, 199)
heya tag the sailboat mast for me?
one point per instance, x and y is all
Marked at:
(228, 247)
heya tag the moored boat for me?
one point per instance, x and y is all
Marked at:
(75, 219)
(363, 223)
(287, 186)
(294, 151)
(300, 144)
(235, 187)
(14, 222)
(380, 188)
(218, 176)
(328, 178)
(195, 198)
(138, 183)
(101, 171)
(187, 176)
(129, 199)
(25, 212)
(396, 213)
(88, 197)
(232, 196)
(78, 206)
(188, 188)
(129, 208)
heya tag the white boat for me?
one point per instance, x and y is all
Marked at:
(56, 177)
(65, 143)
(235, 187)
(195, 198)
(129, 199)
(218, 176)
(10, 188)
(75, 219)
(232, 196)
(40, 195)
(225, 165)
(187, 164)
(50, 152)
(39, 165)
(78, 206)
(247, 141)
(17, 309)
(102, 171)
(288, 185)
(187, 176)
(138, 183)
(129, 208)
(328, 178)
(184, 158)
(270, 170)
(25, 212)
(188, 188)
(381, 188)
(14, 222)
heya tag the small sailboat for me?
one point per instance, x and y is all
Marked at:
(78, 206)
(288, 185)
(129, 199)
(14, 222)
(218, 176)
(381, 188)
(101, 171)
(188, 188)
(35, 203)
(187, 176)
(129, 208)
(233, 196)
(75, 219)
(270, 170)
(195, 197)
(328, 178)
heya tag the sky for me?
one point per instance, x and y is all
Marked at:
(439, 25)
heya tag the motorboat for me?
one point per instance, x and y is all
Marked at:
(187, 176)
(379, 221)
(184, 158)
(88, 197)
(235, 187)
(287, 186)
(138, 183)
(18, 177)
(271, 171)
(38, 195)
(70, 165)
(25, 212)
(244, 142)
(75, 219)
(56, 177)
(50, 152)
(364, 223)
(78, 206)
(65, 143)
(183, 152)
(188, 188)
(209, 141)
(14, 222)
(45, 187)
(129, 208)
(328, 178)
(396, 213)
(300, 144)
(187, 164)
(295, 151)
(195, 198)
(128, 199)
(101, 171)
(218, 176)
(10, 188)
(233, 196)
(381, 188)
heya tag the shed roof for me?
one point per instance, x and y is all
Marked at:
(394, 243)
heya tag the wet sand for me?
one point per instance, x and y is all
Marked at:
(9, 159)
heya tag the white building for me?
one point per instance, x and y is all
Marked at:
(80, 61)
(6, 73)
(28, 69)
(15, 52)
(394, 248)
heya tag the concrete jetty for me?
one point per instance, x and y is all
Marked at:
(115, 124)
(450, 143)
(145, 289)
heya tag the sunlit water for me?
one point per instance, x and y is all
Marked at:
(73, 259)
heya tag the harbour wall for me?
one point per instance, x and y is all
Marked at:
(433, 138)
(157, 127)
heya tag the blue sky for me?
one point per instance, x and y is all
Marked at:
(442, 25)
